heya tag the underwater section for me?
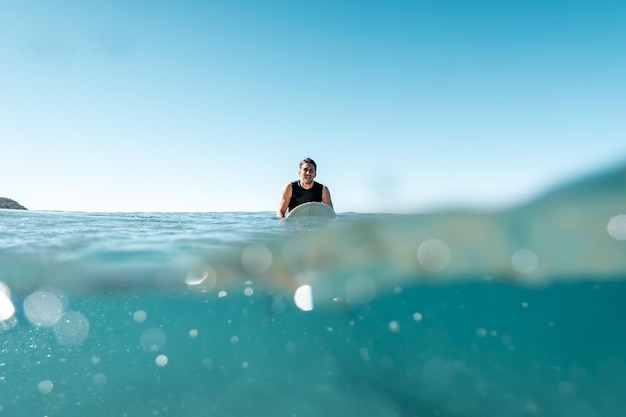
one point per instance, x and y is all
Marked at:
(464, 349)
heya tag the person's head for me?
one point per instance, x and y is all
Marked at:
(308, 161)
(308, 170)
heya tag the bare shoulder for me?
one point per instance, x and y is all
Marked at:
(326, 199)
(287, 189)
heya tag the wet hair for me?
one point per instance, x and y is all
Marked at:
(308, 161)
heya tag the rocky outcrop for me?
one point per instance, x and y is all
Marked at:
(7, 203)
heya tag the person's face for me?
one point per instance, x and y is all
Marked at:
(307, 173)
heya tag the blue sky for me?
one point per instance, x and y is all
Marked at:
(406, 106)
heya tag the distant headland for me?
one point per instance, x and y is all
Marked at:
(7, 203)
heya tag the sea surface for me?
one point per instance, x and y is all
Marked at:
(458, 313)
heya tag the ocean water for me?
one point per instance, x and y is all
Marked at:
(518, 312)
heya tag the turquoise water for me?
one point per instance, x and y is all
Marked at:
(519, 312)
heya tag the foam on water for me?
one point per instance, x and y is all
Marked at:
(514, 313)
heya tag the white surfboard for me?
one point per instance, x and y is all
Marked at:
(312, 209)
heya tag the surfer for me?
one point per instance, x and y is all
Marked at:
(304, 190)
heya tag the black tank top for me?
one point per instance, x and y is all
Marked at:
(300, 196)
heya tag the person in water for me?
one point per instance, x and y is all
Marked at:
(303, 190)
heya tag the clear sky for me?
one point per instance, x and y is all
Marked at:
(406, 106)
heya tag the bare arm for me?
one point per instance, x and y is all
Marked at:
(326, 196)
(285, 196)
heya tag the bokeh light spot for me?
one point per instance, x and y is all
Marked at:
(43, 308)
(525, 261)
(140, 316)
(256, 258)
(433, 255)
(72, 329)
(617, 227)
(45, 386)
(202, 275)
(161, 361)
(7, 309)
(152, 339)
(394, 326)
(481, 332)
(303, 298)
(99, 379)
